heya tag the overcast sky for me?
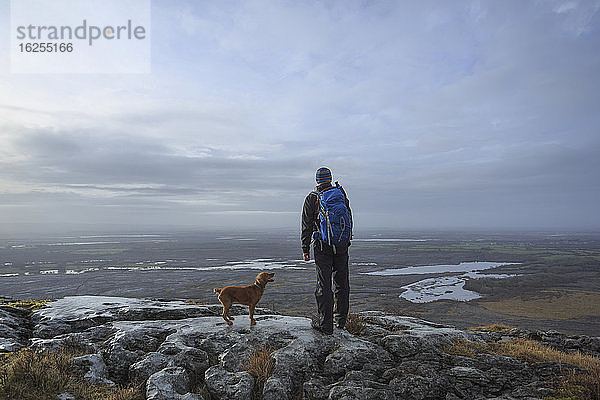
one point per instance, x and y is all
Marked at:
(432, 115)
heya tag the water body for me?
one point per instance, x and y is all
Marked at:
(445, 287)
(440, 269)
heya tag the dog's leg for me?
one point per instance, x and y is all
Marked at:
(229, 304)
(251, 309)
(226, 306)
(228, 317)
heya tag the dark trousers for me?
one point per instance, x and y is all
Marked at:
(332, 303)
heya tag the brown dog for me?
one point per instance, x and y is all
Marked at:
(246, 295)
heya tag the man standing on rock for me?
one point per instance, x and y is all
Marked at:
(327, 223)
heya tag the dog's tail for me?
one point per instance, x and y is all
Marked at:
(217, 290)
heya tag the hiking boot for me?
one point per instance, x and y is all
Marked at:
(320, 328)
(340, 324)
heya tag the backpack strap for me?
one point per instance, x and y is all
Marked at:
(316, 227)
(316, 193)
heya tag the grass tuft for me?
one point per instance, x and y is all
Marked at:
(466, 348)
(501, 328)
(260, 366)
(531, 351)
(579, 385)
(30, 305)
(196, 302)
(132, 393)
(355, 323)
(43, 375)
(524, 350)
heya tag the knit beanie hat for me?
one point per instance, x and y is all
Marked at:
(323, 175)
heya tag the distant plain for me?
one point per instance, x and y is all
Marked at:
(549, 280)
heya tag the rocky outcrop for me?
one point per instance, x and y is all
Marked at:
(15, 328)
(187, 352)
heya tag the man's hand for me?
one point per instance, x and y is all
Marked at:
(306, 256)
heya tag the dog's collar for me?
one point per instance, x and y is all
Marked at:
(259, 286)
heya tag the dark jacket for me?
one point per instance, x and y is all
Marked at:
(310, 215)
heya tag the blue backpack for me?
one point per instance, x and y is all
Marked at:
(336, 222)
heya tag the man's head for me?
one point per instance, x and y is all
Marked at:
(323, 175)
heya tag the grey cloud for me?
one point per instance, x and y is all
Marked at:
(93, 162)
(480, 114)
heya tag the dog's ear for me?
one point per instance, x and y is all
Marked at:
(265, 277)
